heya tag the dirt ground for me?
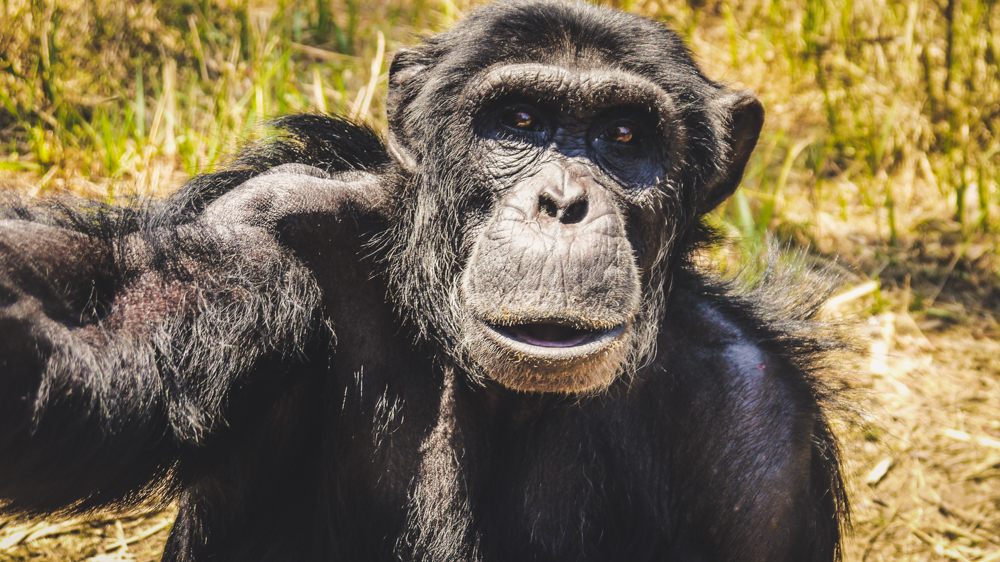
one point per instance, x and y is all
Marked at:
(925, 472)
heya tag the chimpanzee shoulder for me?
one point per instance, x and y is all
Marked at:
(329, 143)
(754, 341)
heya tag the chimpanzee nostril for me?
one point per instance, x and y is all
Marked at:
(564, 194)
(575, 212)
(547, 206)
(565, 212)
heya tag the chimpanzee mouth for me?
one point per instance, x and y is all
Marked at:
(554, 339)
(549, 335)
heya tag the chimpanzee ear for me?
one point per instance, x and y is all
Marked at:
(406, 65)
(741, 116)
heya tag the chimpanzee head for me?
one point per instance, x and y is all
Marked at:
(557, 157)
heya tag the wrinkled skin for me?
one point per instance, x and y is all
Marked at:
(587, 164)
(482, 339)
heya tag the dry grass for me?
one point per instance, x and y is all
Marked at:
(879, 152)
(124, 539)
(923, 470)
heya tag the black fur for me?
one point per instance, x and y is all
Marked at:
(288, 346)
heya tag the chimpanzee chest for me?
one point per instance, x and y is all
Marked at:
(476, 478)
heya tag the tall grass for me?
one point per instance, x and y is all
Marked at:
(875, 103)
(895, 93)
(97, 90)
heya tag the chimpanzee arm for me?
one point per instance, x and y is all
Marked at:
(63, 389)
(118, 354)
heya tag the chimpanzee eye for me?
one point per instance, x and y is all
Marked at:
(521, 118)
(621, 134)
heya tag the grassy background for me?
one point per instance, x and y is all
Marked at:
(881, 152)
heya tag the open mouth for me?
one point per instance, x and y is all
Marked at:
(549, 335)
(553, 340)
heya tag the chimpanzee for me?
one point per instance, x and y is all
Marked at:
(484, 339)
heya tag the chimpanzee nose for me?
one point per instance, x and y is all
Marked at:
(565, 200)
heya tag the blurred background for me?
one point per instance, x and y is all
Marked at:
(881, 155)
